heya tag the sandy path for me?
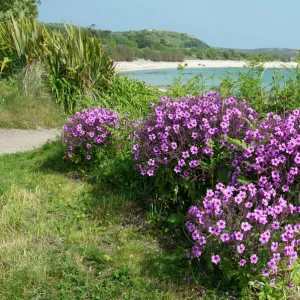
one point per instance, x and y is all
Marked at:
(18, 140)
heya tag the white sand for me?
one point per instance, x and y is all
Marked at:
(150, 65)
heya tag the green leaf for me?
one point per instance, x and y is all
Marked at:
(177, 218)
(237, 143)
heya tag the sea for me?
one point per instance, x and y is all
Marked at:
(210, 76)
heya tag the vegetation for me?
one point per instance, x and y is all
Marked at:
(145, 197)
(66, 238)
(76, 64)
(9, 8)
(163, 45)
(21, 99)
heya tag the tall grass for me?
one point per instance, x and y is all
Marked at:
(77, 66)
(26, 103)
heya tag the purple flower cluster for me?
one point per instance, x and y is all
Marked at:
(237, 218)
(273, 155)
(181, 133)
(87, 130)
(258, 222)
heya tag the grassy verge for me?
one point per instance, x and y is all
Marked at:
(27, 111)
(60, 239)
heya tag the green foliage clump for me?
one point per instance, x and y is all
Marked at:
(26, 103)
(130, 96)
(282, 94)
(77, 66)
(10, 8)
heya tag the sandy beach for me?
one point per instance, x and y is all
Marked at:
(150, 65)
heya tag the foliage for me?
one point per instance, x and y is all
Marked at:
(88, 130)
(77, 66)
(20, 40)
(280, 95)
(162, 45)
(254, 226)
(21, 99)
(129, 96)
(10, 8)
(182, 141)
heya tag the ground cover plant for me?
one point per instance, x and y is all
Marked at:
(183, 142)
(63, 239)
(21, 98)
(247, 225)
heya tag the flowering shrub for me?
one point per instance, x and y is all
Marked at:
(88, 130)
(233, 224)
(180, 133)
(255, 226)
(185, 138)
(273, 155)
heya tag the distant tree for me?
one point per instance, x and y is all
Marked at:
(91, 30)
(122, 53)
(200, 55)
(104, 33)
(163, 42)
(10, 8)
(142, 41)
(226, 55)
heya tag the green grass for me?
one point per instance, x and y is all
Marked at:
(61, 240)
(27, 111)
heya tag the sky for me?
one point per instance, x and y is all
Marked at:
(239, 24)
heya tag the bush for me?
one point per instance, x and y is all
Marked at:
(129, 96)
(273, 156)
(183, 140)
(252, 224)
(248, 239)
(88, 130)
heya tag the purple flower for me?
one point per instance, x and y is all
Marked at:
(272, 282)
(150, 172)
(194, 163)
(253, 259)
(239, 236)
(242, 262)
(194, 150)
(215, 259)
(225, 237)
(185, 154)
(173, 145)
(241, 248)
(246, 226)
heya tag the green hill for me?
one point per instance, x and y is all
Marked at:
(164, 45)
(292, 53)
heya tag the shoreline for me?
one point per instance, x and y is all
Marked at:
(139, 65)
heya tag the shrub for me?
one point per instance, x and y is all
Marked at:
(237, 230)
(78, 66)
(272, 157)
(129, 96)
(88, 130)
(253, 224)
(185, 138)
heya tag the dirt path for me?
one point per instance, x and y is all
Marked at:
(18, 140)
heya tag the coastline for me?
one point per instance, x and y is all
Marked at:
(137, 65)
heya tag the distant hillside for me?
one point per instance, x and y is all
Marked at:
(164, 45)
(292, 53)
(154, 39)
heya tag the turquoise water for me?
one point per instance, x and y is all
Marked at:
(211, 76)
